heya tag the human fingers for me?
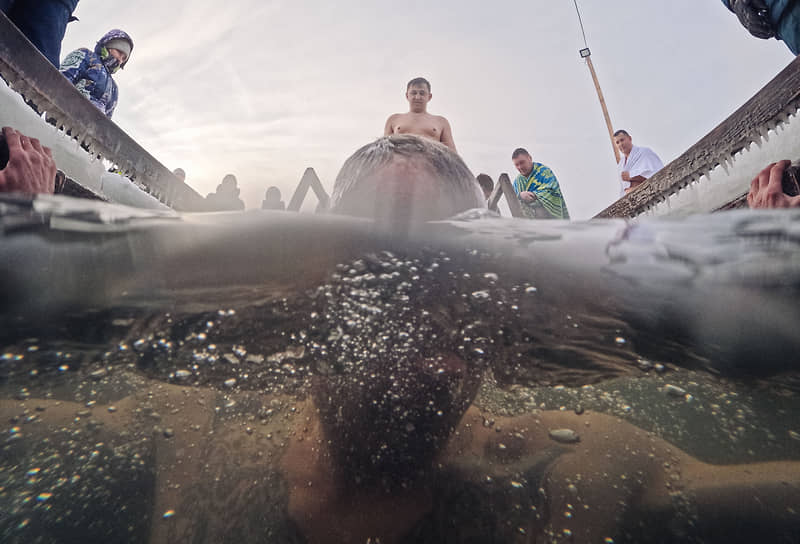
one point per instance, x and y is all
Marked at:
(763, 176)
(37, 145)
(25, 142)
(751, 195)
(776, 175)
(12, 139)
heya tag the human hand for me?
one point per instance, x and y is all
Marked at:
(626, 176)
(766, 190)
(527, 196)
(30, 169)
(754, 16)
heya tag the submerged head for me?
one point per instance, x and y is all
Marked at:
(397, 363)
(403, 179)
(486, 183)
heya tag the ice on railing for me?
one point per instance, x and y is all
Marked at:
(70, 157)
(731, 179)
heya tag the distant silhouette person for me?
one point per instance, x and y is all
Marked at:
(486, 184)
(226, 198)
(272, 200)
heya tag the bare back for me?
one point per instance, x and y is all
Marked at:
(433, 127)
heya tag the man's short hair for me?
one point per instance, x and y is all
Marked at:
(620, 131)
(519, 151)
(419, 81)
(458, 189)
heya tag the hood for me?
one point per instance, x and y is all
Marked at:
(114, 34)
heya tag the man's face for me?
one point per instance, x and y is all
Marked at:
(524, 164)
(624, 143)
(418, 97)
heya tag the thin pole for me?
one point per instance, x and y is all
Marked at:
(603, 105)
(585, 53)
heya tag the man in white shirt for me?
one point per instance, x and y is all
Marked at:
(636, 164)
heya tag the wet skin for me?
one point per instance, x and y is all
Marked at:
(595, 488)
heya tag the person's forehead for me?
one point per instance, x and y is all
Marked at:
(418, 87)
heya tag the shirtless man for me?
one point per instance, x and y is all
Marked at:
(418, 121)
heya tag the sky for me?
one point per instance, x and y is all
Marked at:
(264, 89)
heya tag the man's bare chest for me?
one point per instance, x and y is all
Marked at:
(429, 126)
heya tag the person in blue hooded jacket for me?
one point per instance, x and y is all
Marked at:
(766, 19)
(91, 71)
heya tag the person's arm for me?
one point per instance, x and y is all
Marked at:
(735, 502)
(112, 103)
(447, 135)
(388, 129)
(626, 176)
(74, 65)
(766, 189)
(30, 169)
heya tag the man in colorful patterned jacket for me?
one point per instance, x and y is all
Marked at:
(766, 19)
(90, 71)
(537, 188)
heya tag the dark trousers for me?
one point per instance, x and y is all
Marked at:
(43, 22)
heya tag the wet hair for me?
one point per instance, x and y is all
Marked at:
(486, 183)
(419, 81)
(355, 191)
(625, 132)
(519, 151)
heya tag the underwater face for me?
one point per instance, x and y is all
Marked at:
(396, 366)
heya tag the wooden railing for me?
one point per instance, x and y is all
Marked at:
(30, 74)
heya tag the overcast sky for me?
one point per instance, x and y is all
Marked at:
(264, 89)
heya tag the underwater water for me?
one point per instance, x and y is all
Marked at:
(269, 377)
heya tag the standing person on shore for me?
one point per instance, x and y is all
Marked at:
(636, 164)
(537, 188)
(91, 71)
(417, 120)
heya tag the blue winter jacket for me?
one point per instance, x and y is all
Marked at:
(87, 71)
(785, 18)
